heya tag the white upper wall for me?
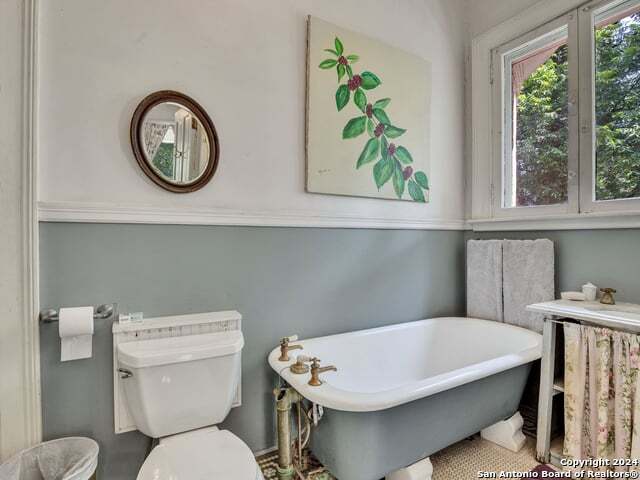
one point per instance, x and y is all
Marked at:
(486, 14)
(244, 61)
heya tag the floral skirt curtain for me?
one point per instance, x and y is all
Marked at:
(602, 393)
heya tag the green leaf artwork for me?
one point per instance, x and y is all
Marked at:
(381, 116)
(393, 161)
(370, 152)
(385, 148)
(415, 191)
(371, 127)
(370, 80)
(354, 127)
(360, 100)
(382, 172)
(342, 97)
(393, 132)
(398, 179)
(404, 156)
(326, 64)
(421, 179)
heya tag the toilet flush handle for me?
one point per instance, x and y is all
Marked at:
(124, 373)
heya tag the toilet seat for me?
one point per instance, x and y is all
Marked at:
(201, 455)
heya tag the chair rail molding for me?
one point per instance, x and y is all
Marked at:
(570, 221)
(117, 213)
(20, 408)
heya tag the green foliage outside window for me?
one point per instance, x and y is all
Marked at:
(542, 121)
(618, 109)
(542, 134)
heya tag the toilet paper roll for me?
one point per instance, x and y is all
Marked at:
(76, 333)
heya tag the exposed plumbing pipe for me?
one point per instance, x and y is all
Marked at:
(304, 434)
(285, 397)
(299, 434)
(307, 427)
(283, 407)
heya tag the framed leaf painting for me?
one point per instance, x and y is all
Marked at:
(367, 116)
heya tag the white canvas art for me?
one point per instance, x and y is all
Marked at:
(367, 116)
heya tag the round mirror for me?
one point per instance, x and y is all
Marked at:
(174, 141)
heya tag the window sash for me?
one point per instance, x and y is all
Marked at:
(502, 175)
(586, 19)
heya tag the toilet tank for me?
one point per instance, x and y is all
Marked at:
(176, 384)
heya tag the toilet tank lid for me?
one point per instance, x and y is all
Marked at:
(186, 348)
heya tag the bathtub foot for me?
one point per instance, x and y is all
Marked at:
(507, 434)
(421, 470)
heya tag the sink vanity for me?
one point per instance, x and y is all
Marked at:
(619, 316)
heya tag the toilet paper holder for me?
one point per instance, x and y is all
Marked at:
(100, 313)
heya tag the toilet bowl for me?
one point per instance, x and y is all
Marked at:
(177, 390)
(200, 455)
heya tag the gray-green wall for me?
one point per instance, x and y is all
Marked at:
(283, 280)
(608, 258)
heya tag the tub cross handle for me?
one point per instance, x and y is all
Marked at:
(316, 370)
(285, 347)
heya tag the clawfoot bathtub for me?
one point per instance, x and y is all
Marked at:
(405, 391)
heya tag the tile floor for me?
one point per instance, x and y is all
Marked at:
(461, 461)
(465, 459)
(314, 470)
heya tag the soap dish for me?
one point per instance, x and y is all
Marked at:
(575, 296)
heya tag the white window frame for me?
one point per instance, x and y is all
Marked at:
(502, 131)
(485, 176)
(588, 202)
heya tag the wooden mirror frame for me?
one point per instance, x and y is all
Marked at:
(135, 131)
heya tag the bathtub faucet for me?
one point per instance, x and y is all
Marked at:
(285, 347)
(316, 370)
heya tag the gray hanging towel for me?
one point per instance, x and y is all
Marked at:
(528, 276)
(484, 279)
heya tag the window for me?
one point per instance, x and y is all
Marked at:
(538, 158)
(567, 135)
(617, 102)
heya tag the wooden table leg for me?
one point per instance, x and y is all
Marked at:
(545, 402)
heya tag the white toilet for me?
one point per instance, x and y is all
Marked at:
(177, 389)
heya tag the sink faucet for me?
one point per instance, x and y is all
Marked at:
(284, 349)
(316, 370)
(607, 296)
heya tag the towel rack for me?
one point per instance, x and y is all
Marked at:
(100, 313)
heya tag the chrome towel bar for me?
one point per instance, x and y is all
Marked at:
(100, 313)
